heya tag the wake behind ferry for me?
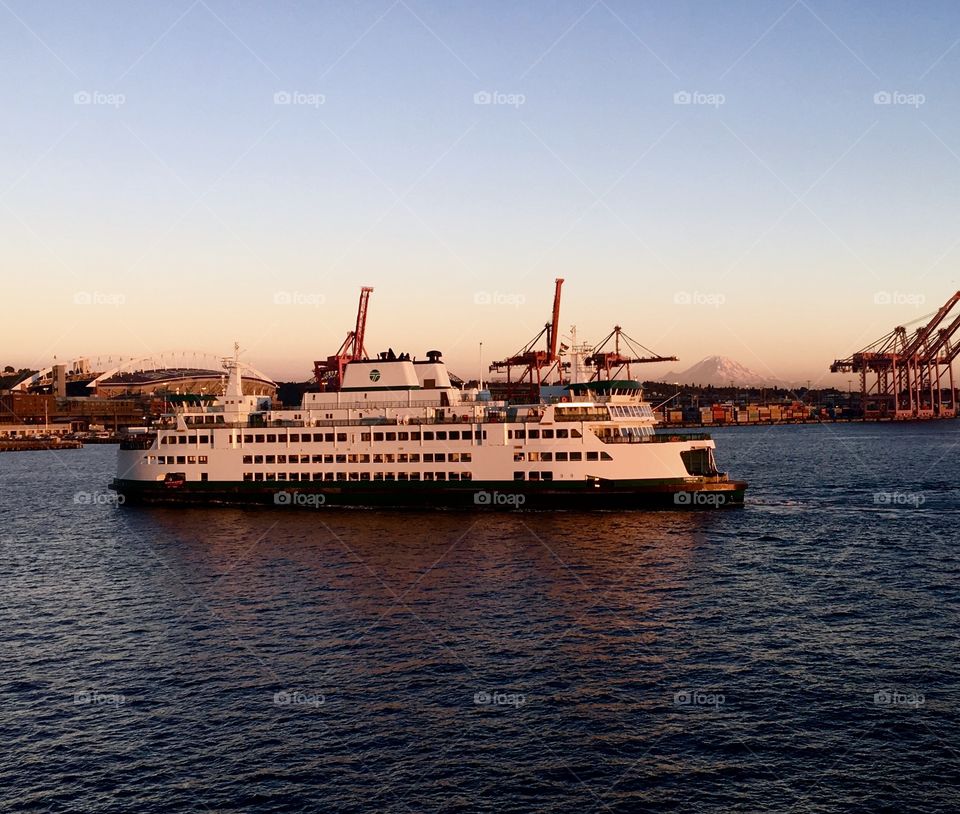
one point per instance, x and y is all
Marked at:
(397, 433)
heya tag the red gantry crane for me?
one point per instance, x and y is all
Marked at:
(905, 375)
(329, 372)
(537, 364)
(609, 364)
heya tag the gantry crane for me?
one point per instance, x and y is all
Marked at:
(329, 372)
(902, 375)
(537, 364)
(609, 364)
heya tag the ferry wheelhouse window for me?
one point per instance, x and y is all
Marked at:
(271, 459)
(563, 433)
(271, 438)
(258, 459)
(428, 436)
(341, 437)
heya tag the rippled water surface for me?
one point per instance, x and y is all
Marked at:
(799, 654)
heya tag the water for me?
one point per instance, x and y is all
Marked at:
(797, 655)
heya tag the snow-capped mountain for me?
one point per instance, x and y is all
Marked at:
(720, 371)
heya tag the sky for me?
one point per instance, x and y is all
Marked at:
(776, 182)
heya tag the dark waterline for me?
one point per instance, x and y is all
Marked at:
(799, 654)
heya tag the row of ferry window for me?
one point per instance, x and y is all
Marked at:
(355, 476)
(521, 435)
(341, 437)
(185, 439)
(176, 459)
(363, 458)
(561, 456)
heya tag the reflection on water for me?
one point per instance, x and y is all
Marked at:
(279, 660)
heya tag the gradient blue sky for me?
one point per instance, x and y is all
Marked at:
(187, 208)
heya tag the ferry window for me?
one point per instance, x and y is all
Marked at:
(260, 439)
(328, 459)
(454, 476)
(341, 437)
(521, 434)
(388, 458)
(518, 475)
(258, 459)
(401, 457)
(378, 458)
(352, 459)
(364, 476)
(318, 459)
(562, 456)
(509, 435)
(546, 476)
(341, 475)
(248, 459)
(593, 456)
(248, 475)
(441, 435)
(518, 456)
(182, 439)
(248, 439)
(415, 436)
(364, 436)
(391, 436)
(575, 434)
(439, 457)
(534, 476)
(414, 476)
(304, 476)
(428, 436)
(282, 459)
(562, 433)
(258, 475)
(378, 436)
(328, 438)
(294, 476)
(271, 459)
(548, 433)
(341, 459)
(318, 475)
(455, 435)
(466, 457)
(605, 456)
(295, 438)
(271, 438)
(428, 475)
(203, 476)
(576, 456)
(205, 439)
(328, 476)
(546, 456)
(403, 436)
(428, 457)
(533, 434)
(281, 475)
(533, 456)
(454, 457)
(390, 476)
(378, 475)
(202, 459)
(466, 476)
(355, 475)
(181, 459)
(401, 475)
(414, 457)
(364, 459)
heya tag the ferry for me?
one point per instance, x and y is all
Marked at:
(398, 434)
